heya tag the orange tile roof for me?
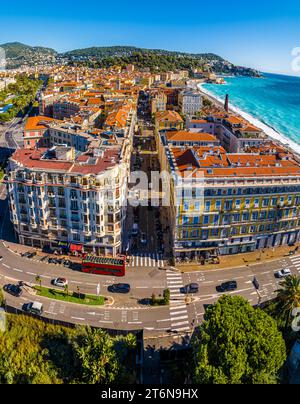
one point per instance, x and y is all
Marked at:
(170, 116)
(182, 135)
(37, 123)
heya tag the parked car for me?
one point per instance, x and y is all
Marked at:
(143, 239)
(135, 230)
(14, 290)
(33, 308)
(227, 286)
(283, 273)
(1, 258)
(61, 282)
(190, 288)
(119, 288)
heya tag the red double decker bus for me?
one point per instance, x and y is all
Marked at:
(104, 265)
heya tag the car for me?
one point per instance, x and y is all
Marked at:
(33, 308)
(14, 290)
(190, 288)
(135, 230)
(143, 239)
(61, 282)
(227, 286)
(119, 288)
(1, 258)
(283, 273)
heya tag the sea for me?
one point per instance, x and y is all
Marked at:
(271, 103)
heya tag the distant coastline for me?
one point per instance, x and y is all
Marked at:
(272, 133)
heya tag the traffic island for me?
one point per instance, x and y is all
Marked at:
(70, 297)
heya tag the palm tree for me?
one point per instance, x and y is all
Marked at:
(38, 280)
(288, 296)
(66, 289)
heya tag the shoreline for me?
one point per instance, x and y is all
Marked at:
(272, 133)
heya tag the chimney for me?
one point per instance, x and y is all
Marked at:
(226, 105)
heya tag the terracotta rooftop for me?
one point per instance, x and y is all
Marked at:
(83, 164)
(38, 123)
(186, 136)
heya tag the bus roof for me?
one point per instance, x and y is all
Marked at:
(104, 260)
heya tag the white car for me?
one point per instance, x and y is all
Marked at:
(283, 273)
(61, 282)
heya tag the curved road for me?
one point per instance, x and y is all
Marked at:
(127, 312)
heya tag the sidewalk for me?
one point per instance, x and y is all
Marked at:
(240, 260)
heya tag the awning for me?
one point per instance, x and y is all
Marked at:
(76, 247)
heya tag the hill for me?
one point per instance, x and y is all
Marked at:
(18, 54)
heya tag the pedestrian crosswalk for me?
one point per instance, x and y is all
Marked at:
(153, 260)
(296, 262)
(178, 308)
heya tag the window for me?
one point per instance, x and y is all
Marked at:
(265, 202)
(207, 206)
(205, 219)
(218, 205)
(237, 204)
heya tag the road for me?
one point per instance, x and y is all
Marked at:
(128, 311)
(11, 134)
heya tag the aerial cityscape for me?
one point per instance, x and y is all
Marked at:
(149, 214)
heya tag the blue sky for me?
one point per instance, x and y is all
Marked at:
(259, 33)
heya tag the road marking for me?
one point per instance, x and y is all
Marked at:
(179, 318)
(77, 283)
(162, 321)
(78, 318)
(124, 316)
(182, 329)
(180, 323)
(178, 307)
(18, 270)
(6, 266)
(31, 273)
(134, 322)
(175, 282)
(178, 312)
(45, 276)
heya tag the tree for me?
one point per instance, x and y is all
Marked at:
(38, 280)
(237, 344)
(96, 357)
(66, 289)
(288, 297)
(2, 298)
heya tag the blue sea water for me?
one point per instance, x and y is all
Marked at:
(274, 100)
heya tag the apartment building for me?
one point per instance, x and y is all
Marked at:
(58, 195)
(190, 102)
(36, 132)
(227, 203)
(158, 101)
(236, 134)
(168, 120)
